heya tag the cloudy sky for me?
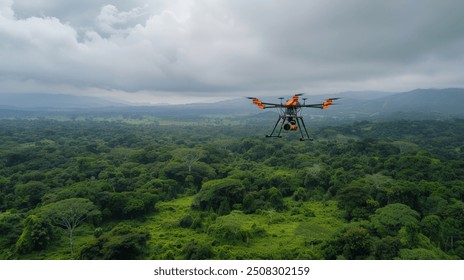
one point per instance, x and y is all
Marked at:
(185, 51)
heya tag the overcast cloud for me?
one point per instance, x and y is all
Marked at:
(193, 50)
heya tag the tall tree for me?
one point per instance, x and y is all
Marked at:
(69, 214)
(189, 156)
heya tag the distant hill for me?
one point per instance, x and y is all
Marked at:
(419, 102)
(443, 101)
(364, 95)
(416, 104)
(46, 101)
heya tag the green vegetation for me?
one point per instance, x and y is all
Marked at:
(86, 188)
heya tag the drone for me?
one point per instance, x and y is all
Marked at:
(290, 118)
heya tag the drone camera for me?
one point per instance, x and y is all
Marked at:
(291, 125)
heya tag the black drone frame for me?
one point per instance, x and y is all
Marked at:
(290, 118)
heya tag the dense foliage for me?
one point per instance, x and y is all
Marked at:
(93, 189)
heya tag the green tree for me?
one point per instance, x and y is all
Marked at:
(230, 230)
(123, 242)
(216, 192)
(419, 254)
(224, 207)
(177, 171)
(409, 235)
(354, 199)
(166, 189)
(133, 207)
(353, 242)
(69, 214)
(249, 204)
(453, 224)
(387, 248)
(406, 193)
(36, 235)
(11, 227)
(276, 199)
(127, 204)
(300, 194)
(357, 243)
(391, 218)
(189, 156)
(30, 194)
(431, 227)
(196, 250)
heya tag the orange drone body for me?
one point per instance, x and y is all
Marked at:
(290, 114)
(293, 101)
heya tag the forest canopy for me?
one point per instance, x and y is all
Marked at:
(98, 189)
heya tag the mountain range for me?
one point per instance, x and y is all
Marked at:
(422, 103)
(46, 101)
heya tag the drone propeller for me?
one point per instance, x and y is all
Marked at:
(299, 94)
(329, 102)
(257, 102)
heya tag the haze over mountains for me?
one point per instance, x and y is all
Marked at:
(44, 101)
(424, 102)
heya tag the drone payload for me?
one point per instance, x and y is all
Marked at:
(290, 117)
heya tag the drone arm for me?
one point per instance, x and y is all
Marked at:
(313, 106)
(261, 104)
(257, 102)
(324, 105)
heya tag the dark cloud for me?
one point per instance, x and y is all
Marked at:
(225, 48)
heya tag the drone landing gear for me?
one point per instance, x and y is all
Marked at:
(303, 138)
(275, 126)
(293, 124)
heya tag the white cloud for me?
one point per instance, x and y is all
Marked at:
(5, 9)
(221, 48)
(111, 20)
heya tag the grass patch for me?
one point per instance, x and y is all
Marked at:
(265, 235)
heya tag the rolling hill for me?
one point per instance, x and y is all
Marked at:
(46, 101)
(419, 103)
